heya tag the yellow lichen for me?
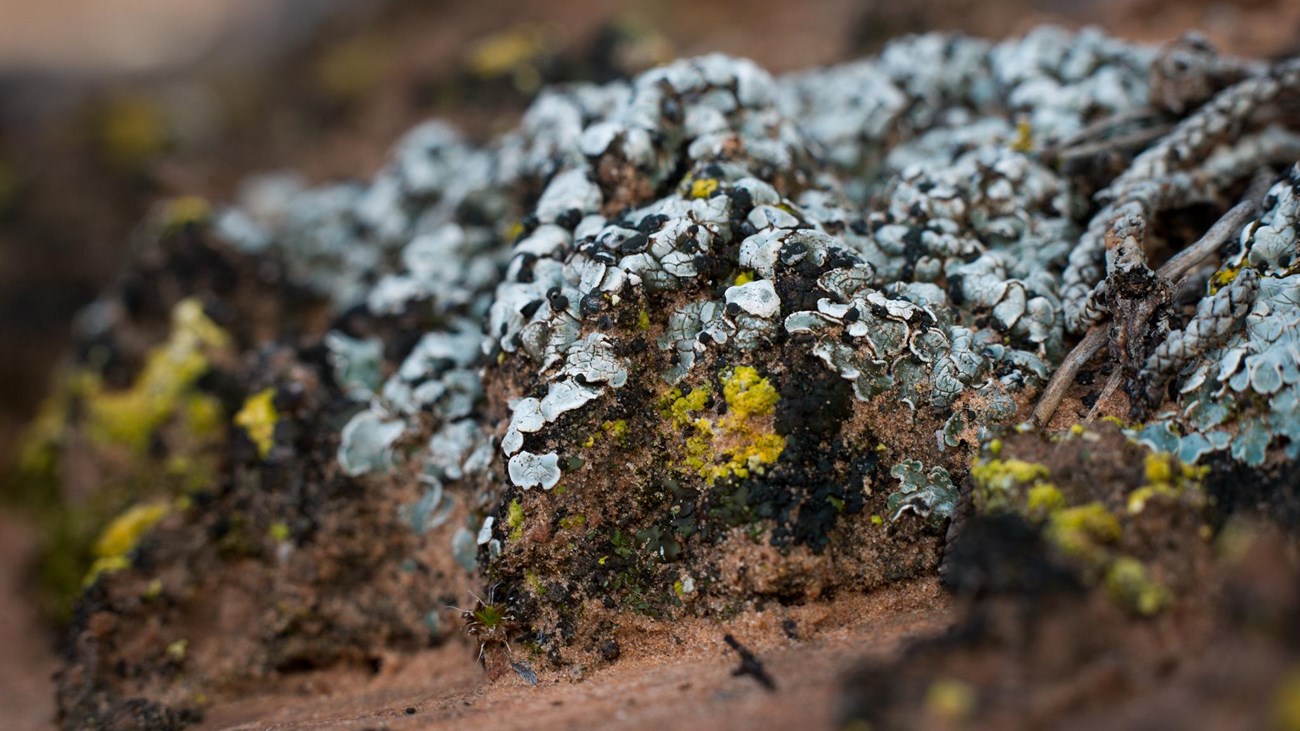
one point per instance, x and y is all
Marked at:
(129, 417)
(116, 542)
(616, 430)
(203, 416)
(1024, 139)
(133, 131)
(279, 532)
(517, 53)
(348, 69)
(1286, 703)
(744, 277)
(1044, 498)
(187, 210)
(643, 320)
(680, 407)
(1159, 471)
(1223, 278)
(1165, 475)
(106, 565)
(1130, 586)
(703, 187)
(747, 394)
(1005, 474)
(739, 443)
(39, 444)
(122, 535)
(998, 482)
(1083, 531)
(258, 417)
(177, 650)
(950, 701)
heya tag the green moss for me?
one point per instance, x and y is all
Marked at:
(534, 583)
(573, 522)
(515, 519)
(490, 615)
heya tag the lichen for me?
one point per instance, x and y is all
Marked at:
(1006, 484)
(929, 495)
(117, 541)
(741, 441)
(130, 417)
(1130, 585)
(1084, 532)
(257, 418)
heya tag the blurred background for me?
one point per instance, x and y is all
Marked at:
(107, 106)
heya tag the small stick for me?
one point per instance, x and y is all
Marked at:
(1230, 223)
(1105, 126)
(1126, 142)
(1175, 268)
(1065, 374)
(750, 665)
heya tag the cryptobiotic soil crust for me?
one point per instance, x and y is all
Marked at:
(710, 352)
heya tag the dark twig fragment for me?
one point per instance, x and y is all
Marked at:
(750, 665)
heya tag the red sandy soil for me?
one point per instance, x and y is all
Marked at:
(26, 701)
(669, 676)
